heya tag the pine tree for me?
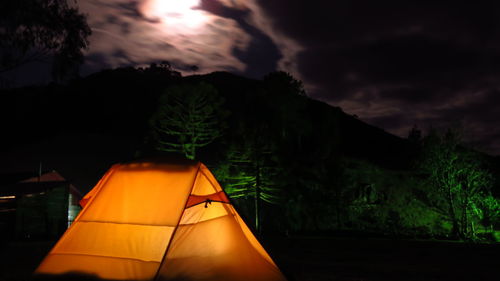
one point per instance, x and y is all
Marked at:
(252, 172)
(188, 117)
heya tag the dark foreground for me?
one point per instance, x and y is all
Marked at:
(386, 260)
(335, 259)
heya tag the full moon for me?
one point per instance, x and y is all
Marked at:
(180, 15)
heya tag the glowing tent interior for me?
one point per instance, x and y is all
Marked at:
(159, 221)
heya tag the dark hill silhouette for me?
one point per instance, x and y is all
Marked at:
(120, 102)
(357, 138)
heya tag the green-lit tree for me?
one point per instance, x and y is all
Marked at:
(487, 208)
(273, 126)
(188, 117)
(250, 170)
(34, 30)
(458, 178)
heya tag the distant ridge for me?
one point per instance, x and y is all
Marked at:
(120, 102)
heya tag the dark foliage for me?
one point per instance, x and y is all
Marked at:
(42, 30)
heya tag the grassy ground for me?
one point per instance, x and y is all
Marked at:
(332, 259)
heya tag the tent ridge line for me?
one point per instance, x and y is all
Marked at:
(99, 186)
(207, 177)
(103, 256)
(178, 222)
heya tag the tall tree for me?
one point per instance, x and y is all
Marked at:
(251, 170)
(458, 177)
(34, 30)
(188, 117)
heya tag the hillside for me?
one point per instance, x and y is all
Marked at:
(120, 102)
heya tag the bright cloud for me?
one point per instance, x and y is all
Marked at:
(141, 32)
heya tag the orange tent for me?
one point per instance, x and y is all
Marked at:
(159, 221)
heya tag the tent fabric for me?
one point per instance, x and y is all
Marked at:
(159, 221)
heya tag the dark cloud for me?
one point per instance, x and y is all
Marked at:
(261, 56)
(120, 54)
(215, 7)
(411, 94)
(318, 22)
(131, 9)
(399, 63)
(404, 61)
(95, 62)
(124, 26)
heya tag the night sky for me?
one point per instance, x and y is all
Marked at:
(394, 64)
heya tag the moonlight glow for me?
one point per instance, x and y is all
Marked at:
(180, 15)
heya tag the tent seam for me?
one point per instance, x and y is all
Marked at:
(104, 256)
(128, 223)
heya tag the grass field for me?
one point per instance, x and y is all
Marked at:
(332, 259)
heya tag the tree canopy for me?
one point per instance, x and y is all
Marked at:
(460, 180)
(34, 30)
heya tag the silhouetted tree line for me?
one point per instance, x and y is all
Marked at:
(48, 31)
